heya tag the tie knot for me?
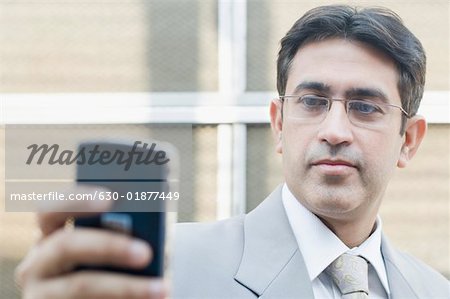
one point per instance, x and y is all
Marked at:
(350, 274)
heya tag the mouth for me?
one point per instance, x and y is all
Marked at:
(336, 167)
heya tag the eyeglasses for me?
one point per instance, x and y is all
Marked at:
(366, 113)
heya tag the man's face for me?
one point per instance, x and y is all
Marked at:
(336, 169)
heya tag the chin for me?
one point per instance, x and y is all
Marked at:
(334, 205)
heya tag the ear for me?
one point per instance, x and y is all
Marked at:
(416, 128)
(276, 123)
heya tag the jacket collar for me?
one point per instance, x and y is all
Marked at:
(271, 259)
(401, 276)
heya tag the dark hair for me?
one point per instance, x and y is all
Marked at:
(379, 27)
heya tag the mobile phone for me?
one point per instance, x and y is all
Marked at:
(125, 182)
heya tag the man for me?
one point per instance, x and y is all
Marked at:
(350, 84)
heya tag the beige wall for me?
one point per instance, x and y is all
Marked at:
(108, 46)
(104, 46)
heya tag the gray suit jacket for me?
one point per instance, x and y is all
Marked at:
(256, 255)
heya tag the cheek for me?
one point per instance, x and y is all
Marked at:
(295, 144)
(291, 154)
(381, 157)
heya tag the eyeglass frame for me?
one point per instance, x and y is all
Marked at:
(345, 101)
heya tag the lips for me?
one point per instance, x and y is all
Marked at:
(334, 162)
(334, 167)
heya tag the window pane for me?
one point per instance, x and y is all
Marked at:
(108, 46)
(263, 164)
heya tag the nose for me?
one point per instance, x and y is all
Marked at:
(336, 128)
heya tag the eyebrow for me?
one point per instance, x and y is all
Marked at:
(367, 92)
(353, 92)
(312, 85)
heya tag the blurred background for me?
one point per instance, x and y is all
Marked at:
(210, 64)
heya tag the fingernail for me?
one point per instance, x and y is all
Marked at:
(139, 252)
(156, 288)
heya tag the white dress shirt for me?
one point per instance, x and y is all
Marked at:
(320, 247)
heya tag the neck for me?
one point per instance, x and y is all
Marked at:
(351, 233)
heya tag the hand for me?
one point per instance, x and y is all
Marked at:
(46, 271)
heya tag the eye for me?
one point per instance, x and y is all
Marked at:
(314, 102)
(364, 107)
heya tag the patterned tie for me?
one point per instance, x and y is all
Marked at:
(349, 273)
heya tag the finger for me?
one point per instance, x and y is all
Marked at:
(52, 221)
(98, 285)
(64, 250)
(21, 270)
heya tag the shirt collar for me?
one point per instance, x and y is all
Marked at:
(320, 246)
(370, 249)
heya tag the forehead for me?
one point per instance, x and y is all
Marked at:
(344, 65)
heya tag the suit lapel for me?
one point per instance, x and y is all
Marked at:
(401, 282)
(272, 265)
